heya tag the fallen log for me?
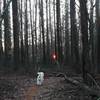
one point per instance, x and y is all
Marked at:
(90, 91)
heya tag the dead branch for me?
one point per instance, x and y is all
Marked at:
(94, 80)
(83, 86)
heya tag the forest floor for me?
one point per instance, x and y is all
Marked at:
(22, 87)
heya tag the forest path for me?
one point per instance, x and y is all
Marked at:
(53, 88)
(45, 91)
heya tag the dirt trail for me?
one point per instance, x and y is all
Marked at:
(53, 88)
(35, 92)
(32, 92)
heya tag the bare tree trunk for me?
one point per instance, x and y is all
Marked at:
(36, 31)
(85, 44)
(21, 34)
(15, 31)
(67, 45)
(43, 33)
(92, 40)
(47, 35)
(1, 47)
(50, 26)
(26, 35)
(74, 37)
(59, 46)
(55, 34)
(2, 15)
(40, 35)
(33, 58)
(7, 35)
(98, 32)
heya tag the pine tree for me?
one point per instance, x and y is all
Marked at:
(15, 31)
(7, 34)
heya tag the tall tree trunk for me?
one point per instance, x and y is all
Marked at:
(36, 31)
(40, 34)
(15, 31)
(7, 35)
(32, 33)
(2, 15)
(59, 46)
(21, 34)
(74, 37)
(50, 26)
(67, 45)
(55, 25)
(1, 47)
(43, 33)
(47, 35)
(26, 34)
(98, 32)
(85, 45)
(92, 40)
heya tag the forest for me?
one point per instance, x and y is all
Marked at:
(49, 36)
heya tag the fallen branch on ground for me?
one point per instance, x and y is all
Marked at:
(83, 86)
(94, 81)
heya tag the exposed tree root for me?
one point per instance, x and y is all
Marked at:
(90, 91)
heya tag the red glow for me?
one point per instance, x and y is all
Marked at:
(54, 56)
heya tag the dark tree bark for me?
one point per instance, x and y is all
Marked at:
(15, 31)
(7, 35)
(26, 35)
(1, 47)
(59, 46)
(55, 34)
(21, 34)
(47, 36)
(35, 31)
(67, 39)
(33, 58)
(85, 44)
(98, 32)
(40, 35)
(42, 29)
(50, 26)
(74, 37)
(92, 40)
(2, 15)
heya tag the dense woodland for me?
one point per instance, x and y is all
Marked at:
(60, 38)
(31, 31)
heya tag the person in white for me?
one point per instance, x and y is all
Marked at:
(40, 78)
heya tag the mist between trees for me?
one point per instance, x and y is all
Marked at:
(30, 32)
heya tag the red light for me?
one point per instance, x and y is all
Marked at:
(54, 56)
